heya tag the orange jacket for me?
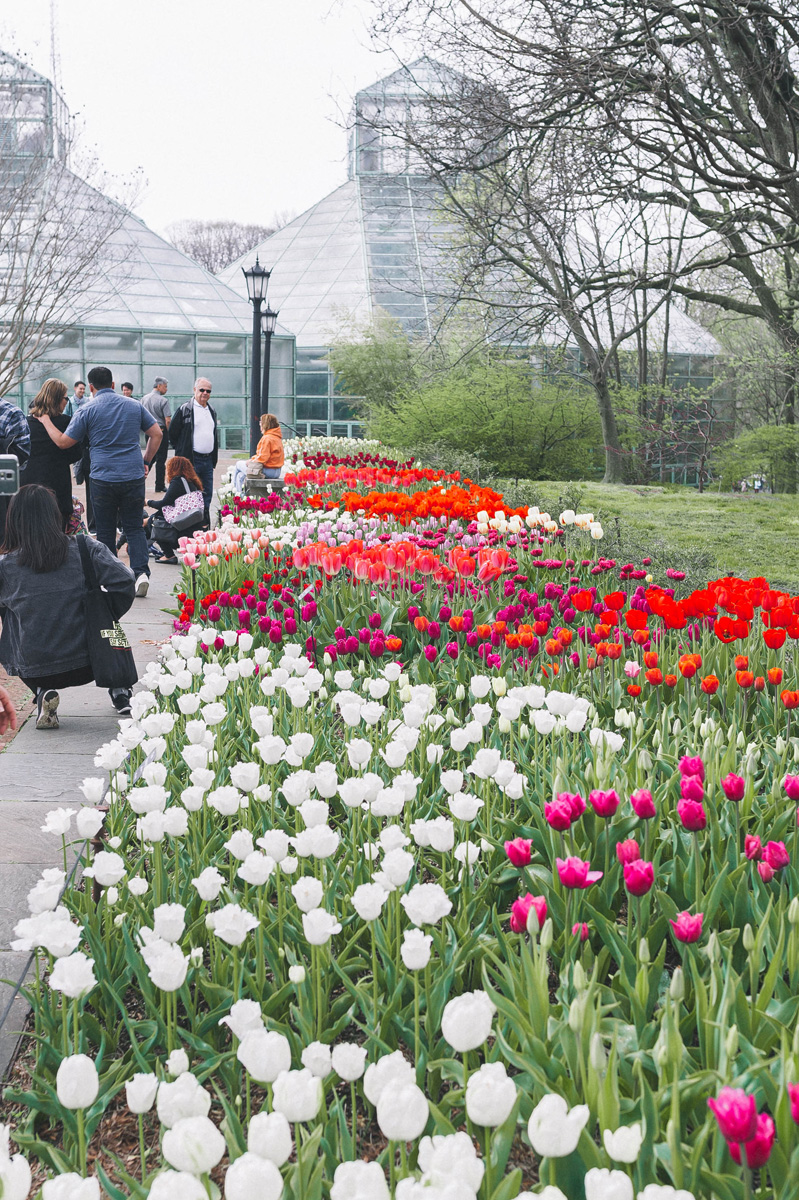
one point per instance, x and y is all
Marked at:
(270, 449)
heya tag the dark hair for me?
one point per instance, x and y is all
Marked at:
(79, 383)
(130, 385)
(177, 467)
(100, 377)
(35, 528)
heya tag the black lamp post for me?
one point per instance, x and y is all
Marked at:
(257, 282)
(269, 321)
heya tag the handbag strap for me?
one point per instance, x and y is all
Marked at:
(89, 573)
(186, 484)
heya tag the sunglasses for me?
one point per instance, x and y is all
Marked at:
(208, 390)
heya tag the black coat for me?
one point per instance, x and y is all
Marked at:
(49, 465)
(181, 432)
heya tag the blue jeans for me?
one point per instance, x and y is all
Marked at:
(240, 476)
(204, 466)
(122, 504)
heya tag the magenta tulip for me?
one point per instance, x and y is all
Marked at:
(791, 785)
(558, 814)
(692, 766)
(520, 910)
(519, 851)
(687, 928)
(733, 786)
(736, 1114)
(627, 852)
(639, 877)
(643, 804)
(692, 788)
(776, 855)
(753, 847)
(575, 873)
(692, 815)
(758, 1148)
(604, 804)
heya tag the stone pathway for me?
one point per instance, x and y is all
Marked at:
(41, 770)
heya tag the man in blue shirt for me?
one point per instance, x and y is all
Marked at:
(112, 425)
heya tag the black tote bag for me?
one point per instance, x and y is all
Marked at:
(110, 654)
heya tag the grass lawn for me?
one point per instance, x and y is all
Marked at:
(740, 534)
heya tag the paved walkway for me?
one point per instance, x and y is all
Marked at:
(42, 770)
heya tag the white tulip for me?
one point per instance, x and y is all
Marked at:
(319, 926)
(73, 976)
(298, 1095)
(77, 1082)
(252, 1176)
(553, 1129)
(269, 1136)
(467, 1019)
(140, 1092)
(193, 1144)
(624, 1145)
(317, 1058)
(601, 1184)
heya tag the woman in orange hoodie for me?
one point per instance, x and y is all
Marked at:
(269, 453)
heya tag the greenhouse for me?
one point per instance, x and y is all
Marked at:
(151, 310)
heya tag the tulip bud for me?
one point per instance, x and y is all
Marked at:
(504, 725)
(780, 745)
(740, 741)
(643, 951)
(596, 1053)
(579, 978)
(697, 718)
(748, 939)
(499, 686)
(547, 935)
(460, 692)
(731, 1042)
(677, 986)
(676, 728)
(793, 911)
(656, 741)
(645, 760)
(639, 727)
(576, 1014)
(532, 923)
(450, 716)
(706, 748)
(524, 732)
(712, 949)
(718, 738)
(795, 1046)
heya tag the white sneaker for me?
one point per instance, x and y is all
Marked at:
(142, 584)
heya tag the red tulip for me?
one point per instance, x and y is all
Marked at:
(733, 787)
(639, 877)
(753, 847)
(736, 1114)
(692, 815)
(520, 910)
(687, 928)
(758, 1148)
(604, 804)
(575, 873)
(518, 851)
(776, 855)
(627, 852)
(643, 804)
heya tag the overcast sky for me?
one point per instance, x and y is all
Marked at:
(230, 109)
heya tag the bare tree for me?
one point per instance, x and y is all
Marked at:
(58, 229)
(216, 244)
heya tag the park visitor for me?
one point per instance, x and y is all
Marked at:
(42, 599)
(48, 463)
(157, 404)
(15, 438)
(76, 400)
(269, 453)
(112, 425)
(183, 481)
(193, 434)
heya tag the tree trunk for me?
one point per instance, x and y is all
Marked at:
(615, 459)
(790, 420)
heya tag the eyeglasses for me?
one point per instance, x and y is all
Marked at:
(208, 390)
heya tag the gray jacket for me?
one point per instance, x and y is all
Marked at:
(44, 627)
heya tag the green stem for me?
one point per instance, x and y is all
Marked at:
(142, 1148)
(81, 1143)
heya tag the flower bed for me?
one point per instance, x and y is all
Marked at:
(433, 873)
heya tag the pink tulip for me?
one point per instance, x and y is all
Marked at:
(765, 872)
(692, 766)
(190, 560)
(791, 785)
(643, 804)
(793, 1096)
(520, 910)
(733, 787)
(687, 928)
(758, 1148)
(575, 873)
(753, 847)
(558, 814)
(518, 851)
(776, 855)
(575, 803)
(604, 804)
(736, 1114)
(639, 877)
(582, 930)
(632, 669)
(627, 852)
(692, 788)
(692, 815)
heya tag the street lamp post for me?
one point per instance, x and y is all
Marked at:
(269, 321)
(257, 281)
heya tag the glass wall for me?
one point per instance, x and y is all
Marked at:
(320, 411)
(138, 356)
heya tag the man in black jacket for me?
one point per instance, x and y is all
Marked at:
(193, 433)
